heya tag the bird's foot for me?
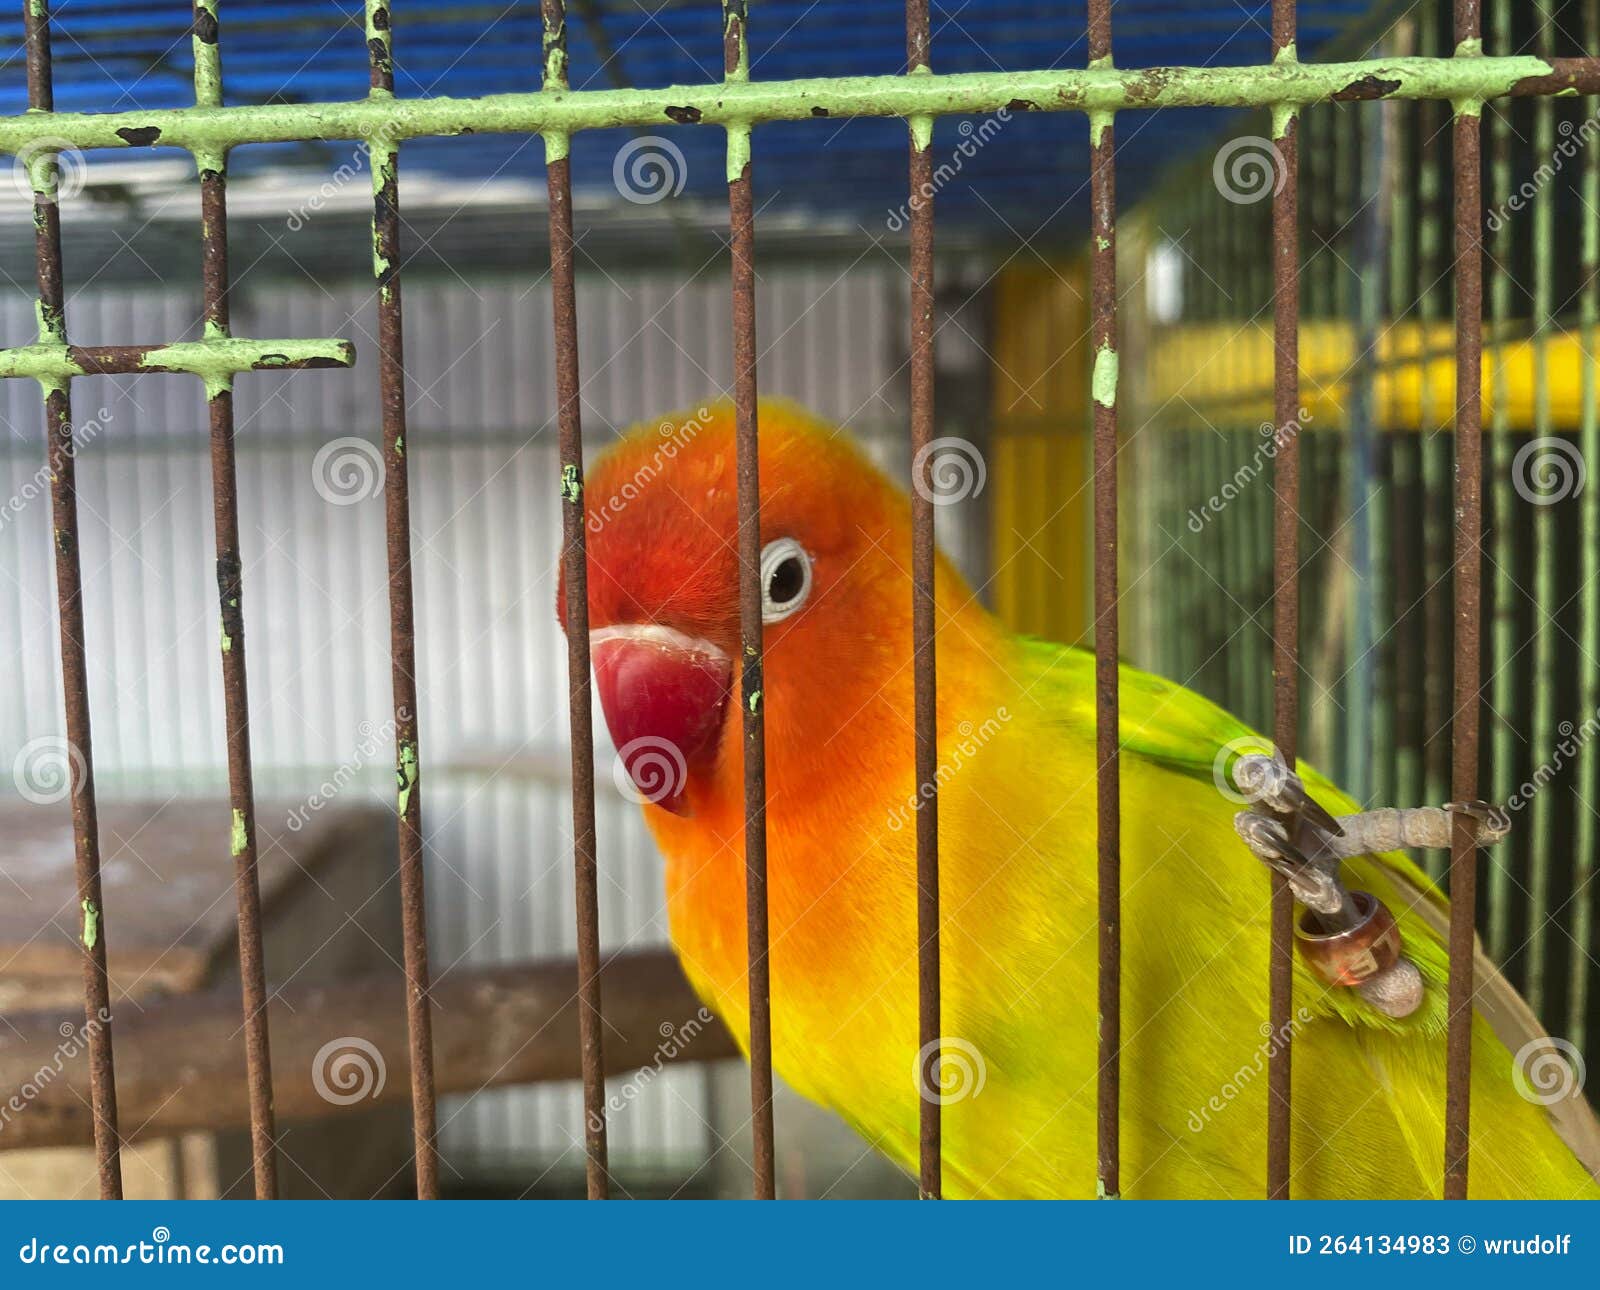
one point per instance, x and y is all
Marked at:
(1347, 938)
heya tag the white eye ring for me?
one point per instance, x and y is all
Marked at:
(778, 561)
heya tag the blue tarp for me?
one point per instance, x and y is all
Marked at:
(1030, 176)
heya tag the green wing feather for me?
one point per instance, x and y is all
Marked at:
(1162, 722)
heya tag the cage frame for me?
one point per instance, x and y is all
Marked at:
(208, 131)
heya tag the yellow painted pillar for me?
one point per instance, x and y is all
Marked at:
(1041, 454)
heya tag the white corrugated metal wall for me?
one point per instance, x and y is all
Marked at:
(486, 532)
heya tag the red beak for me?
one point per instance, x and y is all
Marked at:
(663, 694)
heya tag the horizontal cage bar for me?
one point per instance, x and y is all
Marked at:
(1466, 77)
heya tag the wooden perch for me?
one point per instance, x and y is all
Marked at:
(180, 1061)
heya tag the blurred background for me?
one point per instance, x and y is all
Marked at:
(654, 318)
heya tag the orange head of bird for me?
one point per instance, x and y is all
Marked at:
(662, 531)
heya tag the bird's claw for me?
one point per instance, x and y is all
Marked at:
(1315, 886)
(1494, 823)
(1347, 938)
(1268, 781)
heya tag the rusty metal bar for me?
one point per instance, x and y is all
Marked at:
(215, 358)
(1468, 568)
(929, 1028)
(1285, 581)
(574, 560)
(742, 226)
(62, 454)
(230, 595)
(384, 154)
(1108, 802)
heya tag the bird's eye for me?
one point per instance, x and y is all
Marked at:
(785, 579)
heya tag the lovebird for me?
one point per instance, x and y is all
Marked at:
(1017, 845)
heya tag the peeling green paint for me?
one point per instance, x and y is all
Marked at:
(921, 127)
(555, 53)
(91, 924)
(571, 484)
(557, 146)
(1105, 377)
(406, 774)
(1104, 243)
(1101, 1193)
(1290, 53)
(385, 158)
(755, 700)
(1470, 48)
(738, 151)
(241, 835)
(207, 58)
(215, 359)
(49, 322)
(227, 642)
(735, 24)
(1101, 89)
(379, 39)
(1099, 123)
(1283, 115)
(555, 68)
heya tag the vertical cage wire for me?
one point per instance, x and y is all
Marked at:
(1503, 682)
(918, 56)
(1285, 584)
(230, 593)
(1108, 821)
(1579, 965)
(385, 161)
(1468, 569)
(563, 295)
(742, 227)
(1543, 728)
(44, 174)
(1431, 286)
